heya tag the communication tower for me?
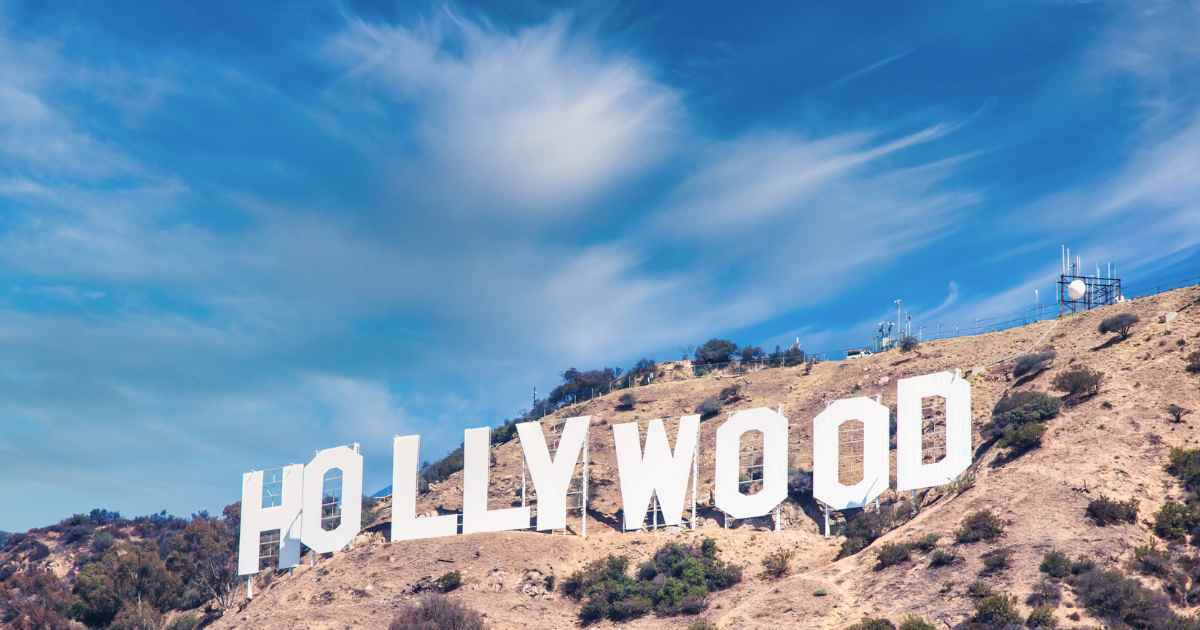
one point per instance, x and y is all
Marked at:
(1080, 292)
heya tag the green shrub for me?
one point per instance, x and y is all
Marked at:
(873, 624)
(449, 581)
(1029, 364)
(715, 351)
(702, 625)
(913, 622)
(1152, 560)
(626, 402)
(908, 343)
(1193, 362)
(942, 558)
(1021, 408)
(1041, 617)
(977, 526)
(1078, 382)
(891, 554)
(1045, 593)
(1120, 324)
(863, 527)
(777, 563)
(1175, 520)
(184, 622)
(979, 589)
(1021, 438)
(676, 580)
(926, 543)
(1185, 466)
(1055, 564)
(1122, 601)
(437, 611)
(1105, 511)
(1177, 413)
(995, 561)
(997, 611)
(709, 407)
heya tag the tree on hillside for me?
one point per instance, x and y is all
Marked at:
(715, 351)
(1120, 324)
(202, 555)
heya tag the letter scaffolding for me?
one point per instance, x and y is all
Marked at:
(577, 487)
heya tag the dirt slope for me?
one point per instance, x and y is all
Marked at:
(1115, 444)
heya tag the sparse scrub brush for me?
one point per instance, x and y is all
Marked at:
(1193, 362)
(626, 402)
(1041, 617)
(1078, 382)
(1177, 413)
(1105, 511)
(913, 622)
(437, 611)
(997, 611)
(777, 563)
(1034, 363)
(873, 624)
(891, 554)
(1055, 564)
(710, 407)
(977, 526)
(449, 581)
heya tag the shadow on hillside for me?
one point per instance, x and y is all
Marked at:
(1112, 341)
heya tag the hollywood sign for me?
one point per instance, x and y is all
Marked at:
(654, 471)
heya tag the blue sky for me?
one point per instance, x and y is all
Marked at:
(231, 234)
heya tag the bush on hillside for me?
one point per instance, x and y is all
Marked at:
(1033, 363)
(997, 611)
(1021, 438)
(1175, 520)
(677, 580)
(1185, 466)
(1193, 362)
(979, 526)
(1045, 593)
(926, 543)
(1056, 564)
(437, 611)
(1177, 413)
(626, 402)
(1078, 382)
(749, 354)
(778, 563)
(943, 558)
(1041, 617)
(1021, 408)
(709, 407)
(715, 351)
(1120, 324)
(891, 554)
(864, 526)
(1152, 560)
(449, 581)
(913, 622)
(1105, 511)
(873, 624)
(996, 561)
(908, 343)
(1123, 601)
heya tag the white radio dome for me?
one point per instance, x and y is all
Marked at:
(1077, 289)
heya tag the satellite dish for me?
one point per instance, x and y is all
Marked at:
(1077, 289)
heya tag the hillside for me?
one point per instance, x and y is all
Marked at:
(1115, 444)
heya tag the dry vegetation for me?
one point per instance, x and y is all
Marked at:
(1092, 523)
